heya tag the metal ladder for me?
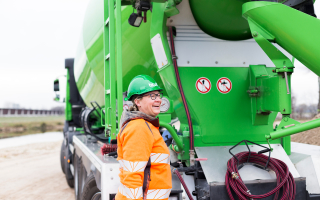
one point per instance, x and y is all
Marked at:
(113, 88)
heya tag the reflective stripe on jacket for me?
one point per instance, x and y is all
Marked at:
(136, 144)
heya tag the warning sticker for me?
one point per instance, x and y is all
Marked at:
(125, 107)
(224, 85)
(203, 85)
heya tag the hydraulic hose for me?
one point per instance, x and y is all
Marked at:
(284, 178)
(174, 58)
(183, 183)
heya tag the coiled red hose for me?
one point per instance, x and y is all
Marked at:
(284, 178)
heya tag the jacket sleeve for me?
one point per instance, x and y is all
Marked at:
(137, 144)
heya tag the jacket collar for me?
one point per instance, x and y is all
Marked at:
(131, 115)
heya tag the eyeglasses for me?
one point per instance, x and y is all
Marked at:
(154, 96)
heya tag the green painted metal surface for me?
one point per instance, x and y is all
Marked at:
(221, 18)
(111, 71)
(119, 58)
(68, 109)
(222, 119)
(294, 129)
(109, 56)
(303, 44)
(167, 74)
(90, 58)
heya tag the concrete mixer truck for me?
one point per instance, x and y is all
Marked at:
(225, 66)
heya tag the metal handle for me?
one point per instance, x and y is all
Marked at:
(107, 118)
(101, 114)
(286, 77)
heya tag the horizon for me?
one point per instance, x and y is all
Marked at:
(38, 35)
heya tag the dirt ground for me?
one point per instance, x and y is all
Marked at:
(33, 172)
(308, 137)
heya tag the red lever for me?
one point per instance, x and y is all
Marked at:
(201, 159)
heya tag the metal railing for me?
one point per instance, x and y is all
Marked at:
(12, 112)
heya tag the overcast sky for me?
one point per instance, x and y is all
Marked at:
(37, 35)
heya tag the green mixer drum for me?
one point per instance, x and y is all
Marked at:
(221, 18)
(137, 55)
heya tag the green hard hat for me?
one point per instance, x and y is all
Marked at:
(141, 84)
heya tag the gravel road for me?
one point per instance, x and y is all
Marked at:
(33, 172)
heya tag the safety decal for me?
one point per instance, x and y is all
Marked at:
(203, 85)
(224, 85)
(125, 107)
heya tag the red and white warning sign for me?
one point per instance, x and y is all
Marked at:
(224, 85)
(125, 107)
(203, 85)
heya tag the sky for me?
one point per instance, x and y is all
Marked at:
(37, 35)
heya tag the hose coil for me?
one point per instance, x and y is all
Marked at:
(284, 177)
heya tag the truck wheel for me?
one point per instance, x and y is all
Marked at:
(77, 176)
(90, 190)
(62, 156)
(70, 182)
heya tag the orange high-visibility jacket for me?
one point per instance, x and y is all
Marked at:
(136, 144)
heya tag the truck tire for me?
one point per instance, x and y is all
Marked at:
(62, 156)
(70, 182)
(77, 176)
(90, 190)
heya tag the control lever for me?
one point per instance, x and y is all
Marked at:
(286, 77)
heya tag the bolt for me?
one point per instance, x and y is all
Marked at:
(244, 62)
(171, 21)
(111, 178)
(255, 34)
(110, 169)
(284, 110)
(188, 62)
(216, 62)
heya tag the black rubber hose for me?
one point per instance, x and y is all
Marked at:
(174, 58)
